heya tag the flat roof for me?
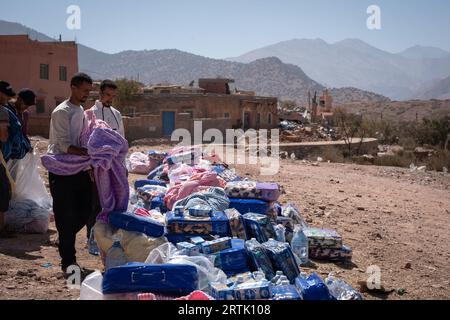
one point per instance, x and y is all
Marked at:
(190, 95)
(217, 80)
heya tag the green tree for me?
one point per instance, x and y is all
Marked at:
(351, 127)
(126, 90)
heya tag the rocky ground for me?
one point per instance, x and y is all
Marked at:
(392, 218)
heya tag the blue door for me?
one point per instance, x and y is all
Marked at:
(168, 123)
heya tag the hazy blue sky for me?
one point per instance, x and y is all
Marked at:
(229, 28)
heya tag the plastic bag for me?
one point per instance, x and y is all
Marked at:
(291, 211)
(205, 269)
(137, 246)
(139, 163)
(162, 254)
(179, 173)
(29, 184)
(104, 235)
(26, 216)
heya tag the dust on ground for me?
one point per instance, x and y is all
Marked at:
(392, 218)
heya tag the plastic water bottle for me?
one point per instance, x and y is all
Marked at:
(280, 231)
(259, 276)
(299, 245)
(277, 277)
(341, 290)
(285, 291)
(115, 256)
(239, 280)
(92, 245)
(281, 280)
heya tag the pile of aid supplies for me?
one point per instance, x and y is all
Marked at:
(195, 230)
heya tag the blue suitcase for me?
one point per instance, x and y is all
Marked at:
(132, 222)
(250, 205)
(217, 224)
(166, 279)
(177, 238)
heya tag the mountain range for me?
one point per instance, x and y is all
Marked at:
(439, 89)
(354, 63)
(286, 70)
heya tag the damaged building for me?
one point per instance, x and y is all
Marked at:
(159, 110)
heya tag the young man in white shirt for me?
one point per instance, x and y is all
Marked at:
(72, 195)
(104, 110)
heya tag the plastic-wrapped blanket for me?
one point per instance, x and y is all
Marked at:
(217, 224)
(189, 155)
(196, 183)
(26, 216)
(107, 150)
(148, 192)
(225, 173)
(253, 190)
(323, 238)
(139, 163)
(342, 254)
(214, 198)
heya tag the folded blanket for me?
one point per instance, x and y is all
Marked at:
(197, 182)
(253, 190)
(213, 198)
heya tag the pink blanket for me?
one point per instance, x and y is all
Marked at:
(107, 150)
(196, 183)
